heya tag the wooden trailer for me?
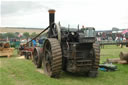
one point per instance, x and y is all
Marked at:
(5, 49)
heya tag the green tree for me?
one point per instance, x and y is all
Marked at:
(10, 35)
(17, 33)
(33, 35)
(1, 36)
(26, 34)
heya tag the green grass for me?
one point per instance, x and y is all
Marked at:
(111, 52)
(15, 71)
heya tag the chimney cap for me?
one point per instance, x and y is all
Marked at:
(51, 10)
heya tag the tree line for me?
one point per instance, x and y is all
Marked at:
(17, 35)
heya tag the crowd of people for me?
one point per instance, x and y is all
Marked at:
(111, 37)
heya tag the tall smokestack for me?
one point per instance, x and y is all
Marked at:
(51, 20)
(51, 16)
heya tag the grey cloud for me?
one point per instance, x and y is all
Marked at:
(12, 7)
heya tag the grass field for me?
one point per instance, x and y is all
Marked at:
(14, 71)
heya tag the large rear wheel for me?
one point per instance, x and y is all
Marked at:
(52, 60)
(37, 57)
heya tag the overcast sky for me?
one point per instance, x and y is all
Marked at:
(101, 14)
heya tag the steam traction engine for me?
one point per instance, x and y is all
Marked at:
(71, 51)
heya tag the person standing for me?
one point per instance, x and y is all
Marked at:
(34, 42)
